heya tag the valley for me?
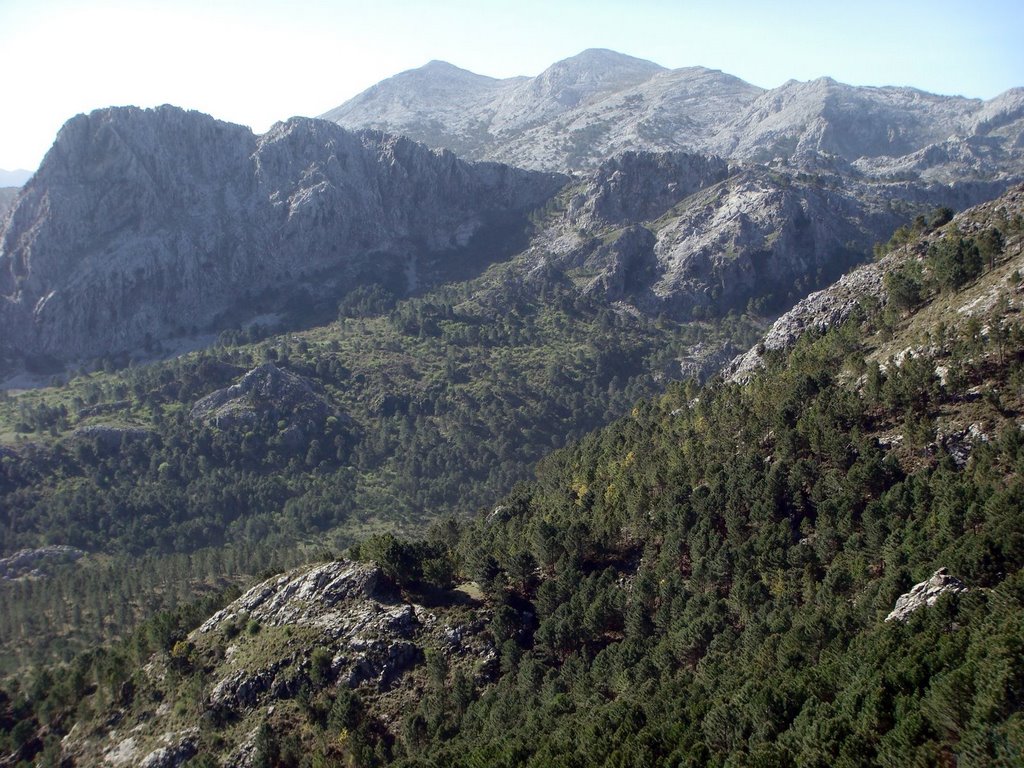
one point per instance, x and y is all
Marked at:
(325, 446)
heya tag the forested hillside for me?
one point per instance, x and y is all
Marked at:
(706, 581)
(395, 415)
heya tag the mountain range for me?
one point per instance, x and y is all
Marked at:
(582, 110)
(534, 443)
(142, 225)
(14, 178)
(146, 230)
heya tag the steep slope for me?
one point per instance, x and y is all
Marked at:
(899, 278)
(147, 224)
(826, 117)
(146, 230)
(438, 104)
(593, 106)
(819, 566)
(692, 237)
(7, 197)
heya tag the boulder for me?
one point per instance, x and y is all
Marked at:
(924, 594)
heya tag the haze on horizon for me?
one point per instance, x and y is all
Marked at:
(260, 61)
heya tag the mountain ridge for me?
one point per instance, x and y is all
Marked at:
(653, 108)
(169, 214)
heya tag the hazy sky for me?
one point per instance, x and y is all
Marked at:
(256, 61)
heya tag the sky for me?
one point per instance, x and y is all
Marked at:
(255, 61)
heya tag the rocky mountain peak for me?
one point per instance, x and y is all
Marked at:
(139, 218)
(589, 107)
(592, 71)
(307, 596)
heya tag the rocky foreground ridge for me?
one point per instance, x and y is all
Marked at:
(592, 106)
(339, 623)
(342, 625)
(142, 225)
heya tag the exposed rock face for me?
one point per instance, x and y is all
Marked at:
(693, 237)
(145, 224)
(355, 613)
(309, 596)
(180, 748)
(30, 562)
(832, 306)
(924, 594)
(960, 444)
(593, 106)
(641, 186)
(7, 198)
(820, 311)
(265, 390)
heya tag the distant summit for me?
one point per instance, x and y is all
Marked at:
(590, 107)
(15, 178)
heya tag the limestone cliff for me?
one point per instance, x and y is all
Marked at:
(147, 224)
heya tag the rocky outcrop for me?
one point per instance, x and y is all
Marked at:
(180, 748)
(926, 593)
(590, 107)
(265, 391)
(820, 311)
(716, 239)
(142, 225)
(641, 186)
(354, 614)
(960, 443)
(307, 596)
(34, 562)
(7, 197)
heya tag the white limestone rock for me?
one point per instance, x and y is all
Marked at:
(926, 593)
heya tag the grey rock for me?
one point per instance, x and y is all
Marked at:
(26, 562)
(265, 390)
(924, 594)
(182, 747)
(960, 443)
(717, 237)
(592, 106)
(641, 186)
(7, 197)
(704, 360)
(820, 311)
(242, 689)
(369, 632)
(138, 219)
(831, 306)
(308, 596)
